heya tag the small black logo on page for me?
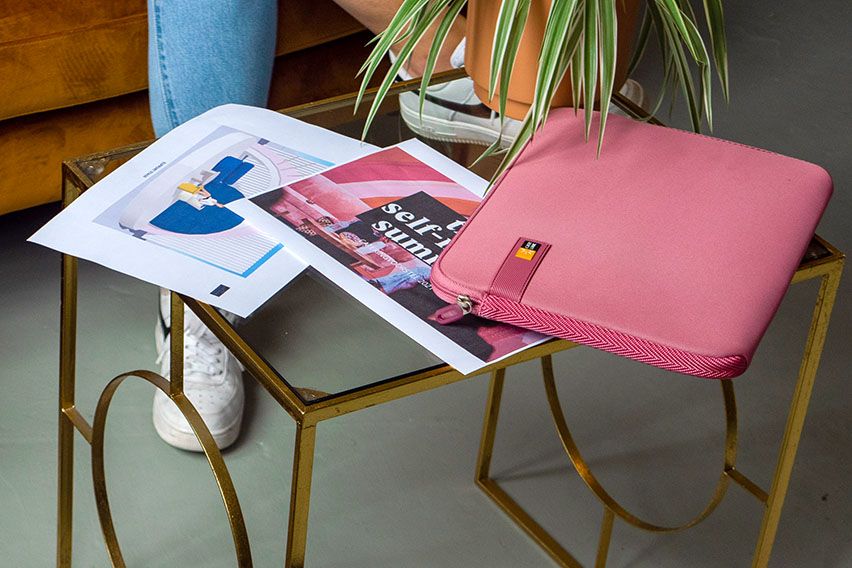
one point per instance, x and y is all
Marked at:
(219, 290)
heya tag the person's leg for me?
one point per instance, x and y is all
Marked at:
(204, 53)
(201, 54)
(377, 14)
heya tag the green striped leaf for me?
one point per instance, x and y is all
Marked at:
(675, 16)
(559, 38)
(641, 41)
(681, 69)
(408, 11)
(718, 40)
(423, 23)
(502, 33)
(437, 45)
(511, 52)
(590, 60)
(608, 33)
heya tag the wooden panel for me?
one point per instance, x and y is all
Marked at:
(319, 72)
(307, 23)
(32, 176)
(27, 20)
(73, 68)
(32, 147)
(64, 54)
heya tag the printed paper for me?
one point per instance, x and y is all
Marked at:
(165, 215)
(375, 226)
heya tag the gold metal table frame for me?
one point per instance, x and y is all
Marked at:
(823, 261)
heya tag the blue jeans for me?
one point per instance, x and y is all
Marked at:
(204, 53)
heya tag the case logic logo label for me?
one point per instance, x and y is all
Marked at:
(527, 250)
(521, 262)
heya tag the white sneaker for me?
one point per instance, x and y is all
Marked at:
(212, 382)
(453, 113)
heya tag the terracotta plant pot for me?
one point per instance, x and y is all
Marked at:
(481, 23)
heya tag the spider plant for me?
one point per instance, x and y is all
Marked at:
(579, 42)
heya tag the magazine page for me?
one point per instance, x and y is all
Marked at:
(375, 226)
(165, 216)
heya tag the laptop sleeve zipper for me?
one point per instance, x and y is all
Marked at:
(454, 312)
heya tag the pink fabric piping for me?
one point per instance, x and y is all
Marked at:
(616, 342)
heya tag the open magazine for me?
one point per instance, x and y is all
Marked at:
(232, 205)
(375, 226)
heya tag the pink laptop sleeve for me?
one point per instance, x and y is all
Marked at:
(672, 248)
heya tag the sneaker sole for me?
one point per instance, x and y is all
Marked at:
(444, 130)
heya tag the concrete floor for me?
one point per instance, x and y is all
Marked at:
(393, 485)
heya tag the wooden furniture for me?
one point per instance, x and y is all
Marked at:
(75, 80)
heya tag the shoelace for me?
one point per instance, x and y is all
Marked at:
(203, 360)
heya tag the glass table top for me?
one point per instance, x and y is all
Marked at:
(318, 339)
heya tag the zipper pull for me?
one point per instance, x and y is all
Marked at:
(453, 312)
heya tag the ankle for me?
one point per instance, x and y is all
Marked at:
(415, 65)
(415, 68)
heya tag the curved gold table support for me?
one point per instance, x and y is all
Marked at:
(613, 507)
(211, 451)
(592, 482)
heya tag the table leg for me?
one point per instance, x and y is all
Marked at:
(65, 488)
(491, 488)
(300, 496)
(67, 367)
(796, 418)
(605, 538)
(489, 426)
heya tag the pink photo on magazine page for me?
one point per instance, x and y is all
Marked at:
(386, 217)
